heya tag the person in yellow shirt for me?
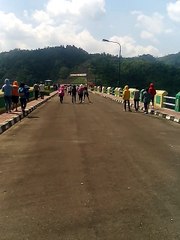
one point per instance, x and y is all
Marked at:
(126, 97)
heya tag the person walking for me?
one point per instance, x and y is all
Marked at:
(152, 92)
(146, 97)
(126, 98)
(69, 89)
(36, 90)
(15, 95)
(86, 94)
(41, 90)
(61, 93)
(80, 93)
(7, 89)
(73, 93)
(23, 96)
(136, 97)
(27, 92)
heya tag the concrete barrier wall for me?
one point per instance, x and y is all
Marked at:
(159, 98)
(132, 93)
(2, 108)
(109, 90)
(31, 97)
(104, 90)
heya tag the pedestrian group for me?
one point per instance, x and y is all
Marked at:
(15, 94)
(74, 90)
(147, 98)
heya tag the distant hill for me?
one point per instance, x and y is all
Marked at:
(57, 63)
(145, 58)
(172, 59)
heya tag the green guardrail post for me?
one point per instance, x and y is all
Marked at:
(177, 102)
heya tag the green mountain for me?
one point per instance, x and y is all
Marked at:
(172, 59)
(57, 63)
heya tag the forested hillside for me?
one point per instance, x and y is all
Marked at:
(56, 63)
(172, 59)
(41, 64)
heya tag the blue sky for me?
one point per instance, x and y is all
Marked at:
(140, 26)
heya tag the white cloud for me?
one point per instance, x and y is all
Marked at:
(148, 35)
(173, 10)
(65, 22)
(151, 26)
(129, 47)
(42, 16)
(9, 22)
(56, 7)
(76, 7)
(50, 26)
(14, 33)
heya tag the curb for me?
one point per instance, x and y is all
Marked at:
(155, 112)
(6, 125)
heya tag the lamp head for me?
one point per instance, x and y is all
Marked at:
(105, 40)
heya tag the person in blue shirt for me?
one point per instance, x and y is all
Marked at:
(7, 89)
(27, 92)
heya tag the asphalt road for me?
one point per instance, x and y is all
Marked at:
(90, 172)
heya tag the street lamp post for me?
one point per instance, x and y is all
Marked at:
(119, 77)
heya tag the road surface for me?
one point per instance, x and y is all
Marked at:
(90, 172)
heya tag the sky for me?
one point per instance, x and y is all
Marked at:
(138, 26)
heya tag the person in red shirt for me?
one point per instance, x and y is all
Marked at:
(152, 91)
